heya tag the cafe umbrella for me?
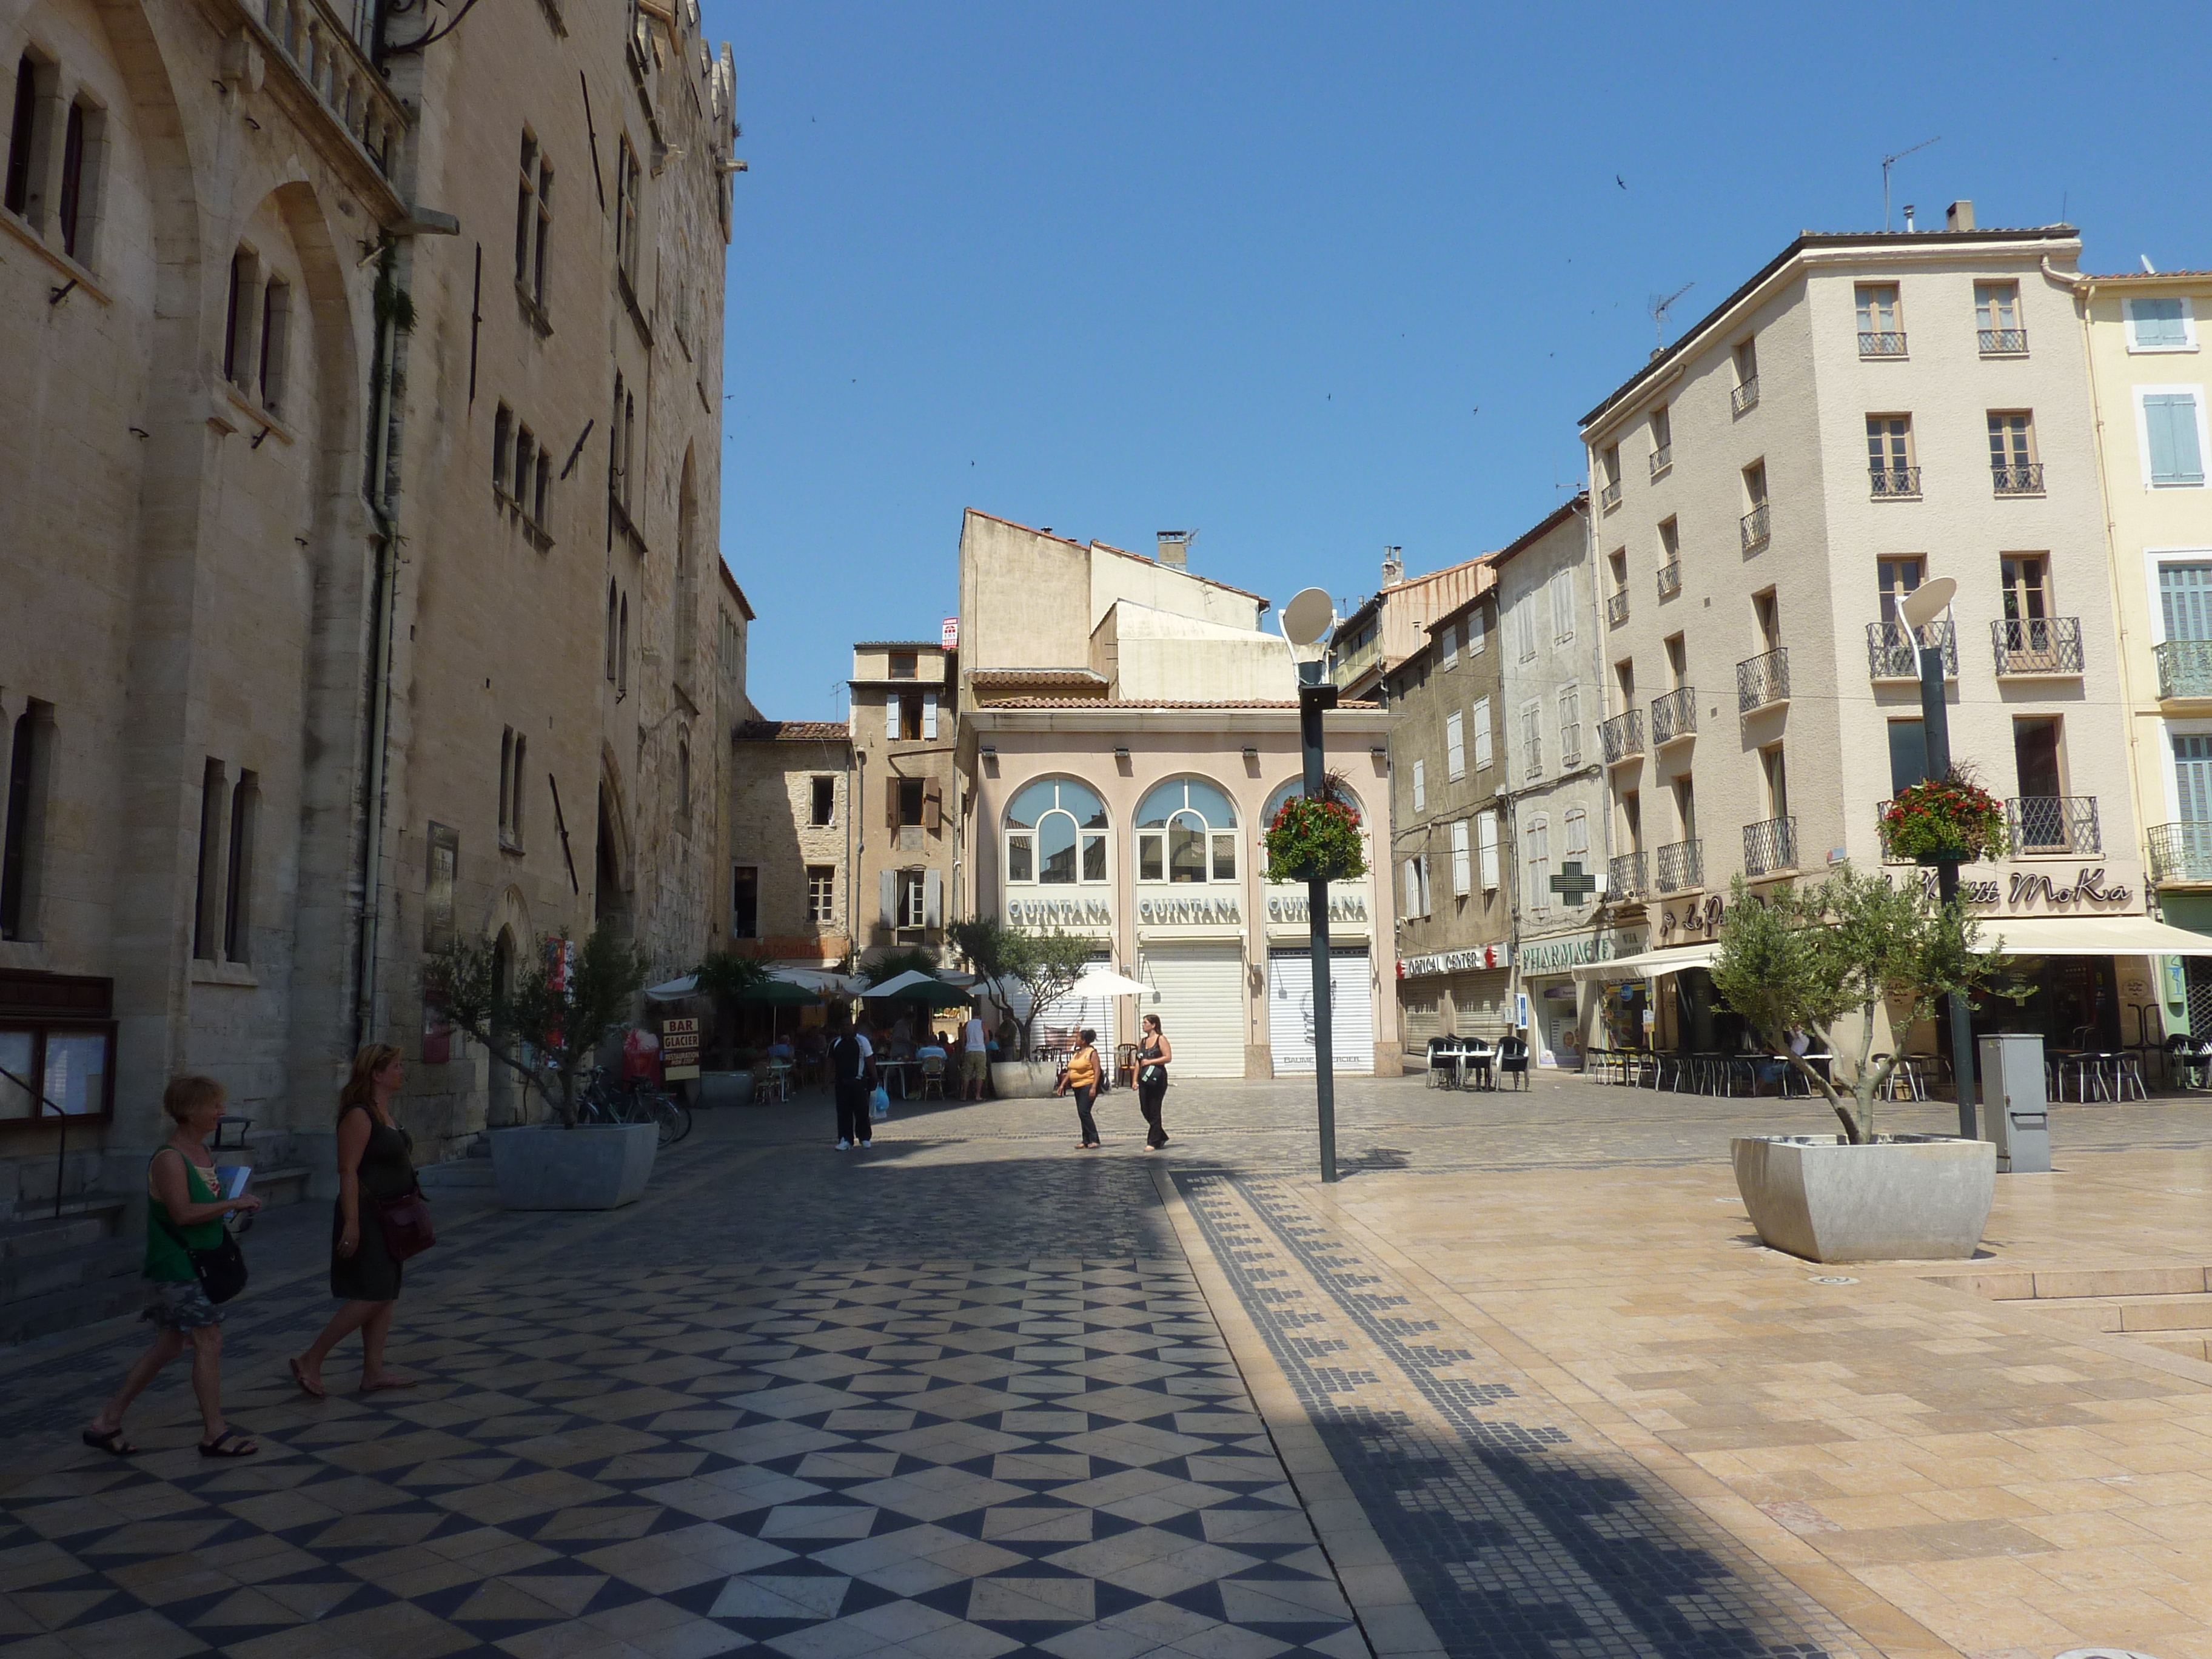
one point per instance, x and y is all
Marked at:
(925, 988)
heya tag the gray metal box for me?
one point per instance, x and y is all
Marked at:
(2015, 1104)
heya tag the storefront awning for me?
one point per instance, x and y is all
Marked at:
(2090, 936)
(1651, 963)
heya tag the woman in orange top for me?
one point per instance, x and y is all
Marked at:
(1082, 1076)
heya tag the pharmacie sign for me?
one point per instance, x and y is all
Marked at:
(1557, 956)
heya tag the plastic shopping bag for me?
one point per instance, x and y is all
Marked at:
(880, 1104)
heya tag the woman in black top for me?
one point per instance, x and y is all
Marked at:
(1154, 1051)
(375, 1159)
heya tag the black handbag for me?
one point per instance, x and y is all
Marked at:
(221, 1271)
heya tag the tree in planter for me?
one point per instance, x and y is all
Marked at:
(723, 978)
(1808, 961)
(1045, 965)
(558, 1018)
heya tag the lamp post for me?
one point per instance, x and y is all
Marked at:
(1920, 609)
(1306, 620)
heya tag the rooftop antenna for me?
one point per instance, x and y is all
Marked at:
(1889, 161)
(1659, 308)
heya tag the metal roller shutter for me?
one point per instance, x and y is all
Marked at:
(1072, 1014)
(1289, 1010)
(1198, 992)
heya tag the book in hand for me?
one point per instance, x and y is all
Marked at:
(230, 1179)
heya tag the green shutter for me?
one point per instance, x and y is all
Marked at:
(2170, 425)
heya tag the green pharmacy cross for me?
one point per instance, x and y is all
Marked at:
(1571, 884)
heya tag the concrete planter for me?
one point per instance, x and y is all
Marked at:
(726, 1089)
(1915, 1198)
(598, 1167)
(1024, 1079)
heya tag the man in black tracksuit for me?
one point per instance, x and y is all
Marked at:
(852, 1077)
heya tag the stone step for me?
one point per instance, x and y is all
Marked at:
(2130, 1314)
(2189, 1347)
(80, 1304)
(2075, 1283)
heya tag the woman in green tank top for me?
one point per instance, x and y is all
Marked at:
(184, 1213)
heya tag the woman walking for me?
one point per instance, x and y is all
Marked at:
(1082, 1076)
(1154, 1051)
(184, 1213)
(375, 1162)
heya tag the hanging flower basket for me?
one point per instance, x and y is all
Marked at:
(1314, 839)
(1951, 817)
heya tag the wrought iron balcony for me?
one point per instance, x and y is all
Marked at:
(1770, 846)
(2004, 341)
(1622, 737)
(1609, 496)
(2025, 479)
(2179, 853)
(1881, 343)
(2184, 668)
(1744, 397)
(1628, 876)
(1674, 716)
(1893, 653)
(1895, 483)
(2038, 645)
(1661, 459)
(1754, 527)
(1681, 864)
(2054, 824)
(1670, 578)
(1616, 606)
(1762, 679)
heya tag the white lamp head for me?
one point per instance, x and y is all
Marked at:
(1927, 602)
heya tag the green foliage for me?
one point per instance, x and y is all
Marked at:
(548, 1033)
(1808, 960)
(1045, 965)
(724, 977)
(891, 963)
(1315, 836)
(1951, 817)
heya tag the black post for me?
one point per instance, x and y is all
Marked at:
(1935, 733)
(1313, 696)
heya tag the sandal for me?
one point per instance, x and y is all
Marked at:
(112, 1443)
(300, 1376)
(384, 1382)
(221, 1446)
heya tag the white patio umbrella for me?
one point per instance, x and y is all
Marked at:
(674, 990)
(821, 979)
(1105, 982)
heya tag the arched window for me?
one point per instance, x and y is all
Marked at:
(1056, 834)
(1185, 832)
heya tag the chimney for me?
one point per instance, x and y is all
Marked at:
(1393, 565)
(1959, 216)
(1908, 218)
(1175, 547)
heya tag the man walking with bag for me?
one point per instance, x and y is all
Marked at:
(852, 1077)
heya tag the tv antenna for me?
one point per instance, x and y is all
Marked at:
(1659, 308)
(1889, 161)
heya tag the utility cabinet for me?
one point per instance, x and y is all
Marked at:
(2015, 1103)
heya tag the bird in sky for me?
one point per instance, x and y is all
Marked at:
(1622, 182)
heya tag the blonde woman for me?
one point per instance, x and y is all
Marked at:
(375, 1161)
(184, 1213)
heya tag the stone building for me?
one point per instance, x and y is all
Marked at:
(359, 496)
(904, 712)
(792, 838)
(1392, 623)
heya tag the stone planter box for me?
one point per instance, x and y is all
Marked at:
(726, 1088)
(596, 1167)
(1915, 1198)
(1024, 1079)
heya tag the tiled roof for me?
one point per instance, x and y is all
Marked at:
(1152, 702)
(1036, 676)
(2145, 276)
(792, 732)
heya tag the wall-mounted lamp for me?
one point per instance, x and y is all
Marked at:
(1251, 753)
(1378, 753)
(988, 752)
(1121, 754)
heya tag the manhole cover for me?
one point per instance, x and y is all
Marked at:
(1829, 1279)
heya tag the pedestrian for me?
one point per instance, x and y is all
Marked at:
(852, 1077)
(184, 1213)
(376, 1163)
(1154, 1052)
(974, 1055)
(1082, 1076)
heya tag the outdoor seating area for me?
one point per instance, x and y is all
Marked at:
(1704, 1072)
(1471, 1063)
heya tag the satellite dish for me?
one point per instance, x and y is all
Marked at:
(1927, 602)
(1307, 618)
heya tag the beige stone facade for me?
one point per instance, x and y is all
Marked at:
(793, 841)
(362, 487)
(903, 715)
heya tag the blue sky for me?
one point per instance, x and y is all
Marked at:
(1317, 279)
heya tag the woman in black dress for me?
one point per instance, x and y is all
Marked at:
(1154, 1051)
(375, 1161)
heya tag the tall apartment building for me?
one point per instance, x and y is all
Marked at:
(359, 495)
(903, 714)
(792, 838)
(1866, 413)
(1393, 623)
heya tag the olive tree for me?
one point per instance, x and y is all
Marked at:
(1045, 965)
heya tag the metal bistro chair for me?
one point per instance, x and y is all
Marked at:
(932, 1077)
(1512, 1061)
(1439, 1075)
(1478, 1063)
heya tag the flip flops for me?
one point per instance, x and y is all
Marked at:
(229, 1443)
(112, 1443)
(300, 1376)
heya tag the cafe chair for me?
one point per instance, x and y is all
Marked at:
(1440, 1063)
(1125, 1065)
(1512, 1061)
(932, 1078)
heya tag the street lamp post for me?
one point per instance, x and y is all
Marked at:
(1306, 620)
(1919, 610)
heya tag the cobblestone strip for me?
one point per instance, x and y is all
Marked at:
(1520, 1530)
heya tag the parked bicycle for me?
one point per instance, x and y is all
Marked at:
(604, 1099)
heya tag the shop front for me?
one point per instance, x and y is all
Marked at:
(1352, 980)
(1549, 1000)
(1462, 994)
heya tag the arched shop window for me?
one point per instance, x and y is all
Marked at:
(1185, 832)
(1056, 834)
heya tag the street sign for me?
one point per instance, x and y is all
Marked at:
(679, 1049)
(1571, 884)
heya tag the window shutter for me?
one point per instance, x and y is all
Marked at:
(1451, 636)
(929, 716)
(890, 713)
(2184, 592)
(1577, 831)
(933, 899)
(933, 805)
(2170, 422)
(1424, 862)
(1486, 842)
(887, 896)
(2192, 778)
(1455, 745)
(1462, 876)
(1412, 889)
(890, 800)
(1482, 734)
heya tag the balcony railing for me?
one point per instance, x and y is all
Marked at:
(2054, 824)
(1754, 527)
(1744, 397)
(1616, 606)
(1609, 496)
(2184, 668)
(1661, 459)
(1674, 716)
(330, 53)
(1770, 846)
(1881, 343)
(1682, 865)
(2025, 479)
(1762, 679)
(1628, 875)
(2038, 645)
(1622, 737)
(2178, 853)
(1894, 484)
(1893, 654)
(2004, 341)
(1670, 578)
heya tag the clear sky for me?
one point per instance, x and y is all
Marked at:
(1315, 279)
